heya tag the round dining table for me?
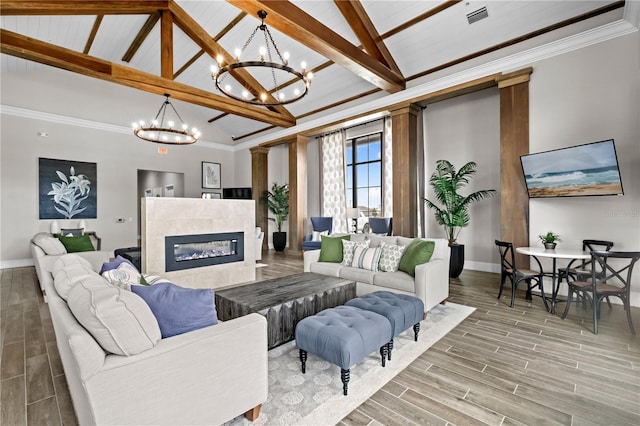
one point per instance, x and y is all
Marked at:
(554, 254)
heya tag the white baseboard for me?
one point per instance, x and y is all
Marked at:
(19, 263)
(482, 266)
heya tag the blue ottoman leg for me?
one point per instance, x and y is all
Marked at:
(416, 330)
(303, 360)
(383, 354)
(345, 375)
(390, 348)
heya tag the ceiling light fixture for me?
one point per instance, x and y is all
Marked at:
(172, 133)
(275, 95)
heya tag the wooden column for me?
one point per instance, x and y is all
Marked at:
(297, 191)
(405, 170)
(260, 184)
(514, 142)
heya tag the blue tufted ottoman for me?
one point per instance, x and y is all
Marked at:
(402, 311)
(343, 336)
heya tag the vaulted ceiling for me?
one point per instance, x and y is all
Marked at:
(357, 50)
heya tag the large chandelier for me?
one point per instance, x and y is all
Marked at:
(170, 132)
(261, 70)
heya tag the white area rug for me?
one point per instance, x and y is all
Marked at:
(315, 398)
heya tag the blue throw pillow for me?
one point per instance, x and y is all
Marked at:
(107, 266)
(177, 309)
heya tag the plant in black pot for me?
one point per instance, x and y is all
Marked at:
(277, 201)
(453, 211)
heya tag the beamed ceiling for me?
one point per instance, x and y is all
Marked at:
(357, 50)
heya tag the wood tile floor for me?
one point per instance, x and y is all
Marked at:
(501, 366)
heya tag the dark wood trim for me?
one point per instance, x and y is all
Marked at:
(514, 142)
(255, 132)
(525, 37)
(428, 14)
(73, 7)
(92, 35)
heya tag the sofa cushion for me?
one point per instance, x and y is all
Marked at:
(366, 258)
(348, 248)
(177, 309)
(66, 278)
(390, 257)
(77, 244)
(326, 268)
(395, 280)
(357, 274)
(331, 249)
(50, 245)
(107, 266)
(69, 259)
(416, 253)
(120, 321)
(317, 235)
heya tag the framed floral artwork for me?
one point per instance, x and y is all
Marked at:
(67, 189)
(211, 175)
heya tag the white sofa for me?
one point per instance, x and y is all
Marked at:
(44, 262)
(206, 376)
(431, 282)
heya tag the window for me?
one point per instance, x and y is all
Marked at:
(364, 174)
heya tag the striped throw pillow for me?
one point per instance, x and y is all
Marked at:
(366, 258)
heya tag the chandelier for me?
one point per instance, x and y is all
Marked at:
(263, 68)
(171, 133)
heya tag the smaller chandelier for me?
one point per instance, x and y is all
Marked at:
(301, 80)
(171, 133)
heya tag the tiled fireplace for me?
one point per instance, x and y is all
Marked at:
(199, 243)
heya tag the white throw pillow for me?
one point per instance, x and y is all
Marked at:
(120, 321)
(348, 247)
(50, 245)
(390, 257)
(66, 278)
(317, 235)
(123, 276)
(366, 258)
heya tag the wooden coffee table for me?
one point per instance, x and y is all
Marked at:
(284, 301)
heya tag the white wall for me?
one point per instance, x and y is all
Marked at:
(118, 157)
(463, 129)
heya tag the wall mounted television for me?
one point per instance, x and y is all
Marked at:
(582, 170)
(236, 193)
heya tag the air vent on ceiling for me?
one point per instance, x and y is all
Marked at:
(477, 15)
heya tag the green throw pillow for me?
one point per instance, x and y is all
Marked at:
(76, 244)
(331, 248)
(416, 253)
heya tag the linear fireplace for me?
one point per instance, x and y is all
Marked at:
(195, 251)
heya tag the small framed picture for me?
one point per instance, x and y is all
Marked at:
(211, 195)
(211, 175)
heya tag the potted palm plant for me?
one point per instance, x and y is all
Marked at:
(453, 211)
(549, 240)
(277, 201)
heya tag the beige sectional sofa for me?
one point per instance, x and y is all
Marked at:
(45, 255)
(431, 282)
(206, 376)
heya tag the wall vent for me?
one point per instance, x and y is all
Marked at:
(477, 15)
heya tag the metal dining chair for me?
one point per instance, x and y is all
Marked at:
(516, 276)
(584, 269)
(615, 281)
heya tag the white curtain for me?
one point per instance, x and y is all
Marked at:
(334, 200)
(387, 173)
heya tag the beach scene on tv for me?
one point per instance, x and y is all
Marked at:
(590, 169)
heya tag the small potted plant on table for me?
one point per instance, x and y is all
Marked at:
(549, 240)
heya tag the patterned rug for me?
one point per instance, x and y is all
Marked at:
(315, 398)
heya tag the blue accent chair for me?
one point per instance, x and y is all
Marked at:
(319, 224)
(381, 225)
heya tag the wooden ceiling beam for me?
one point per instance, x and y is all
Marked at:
(92, 35)
(73, 7)
(201, 37)
(46, 53)
(166, 45)
(142, 35)
(298, 25)
(363, 28)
